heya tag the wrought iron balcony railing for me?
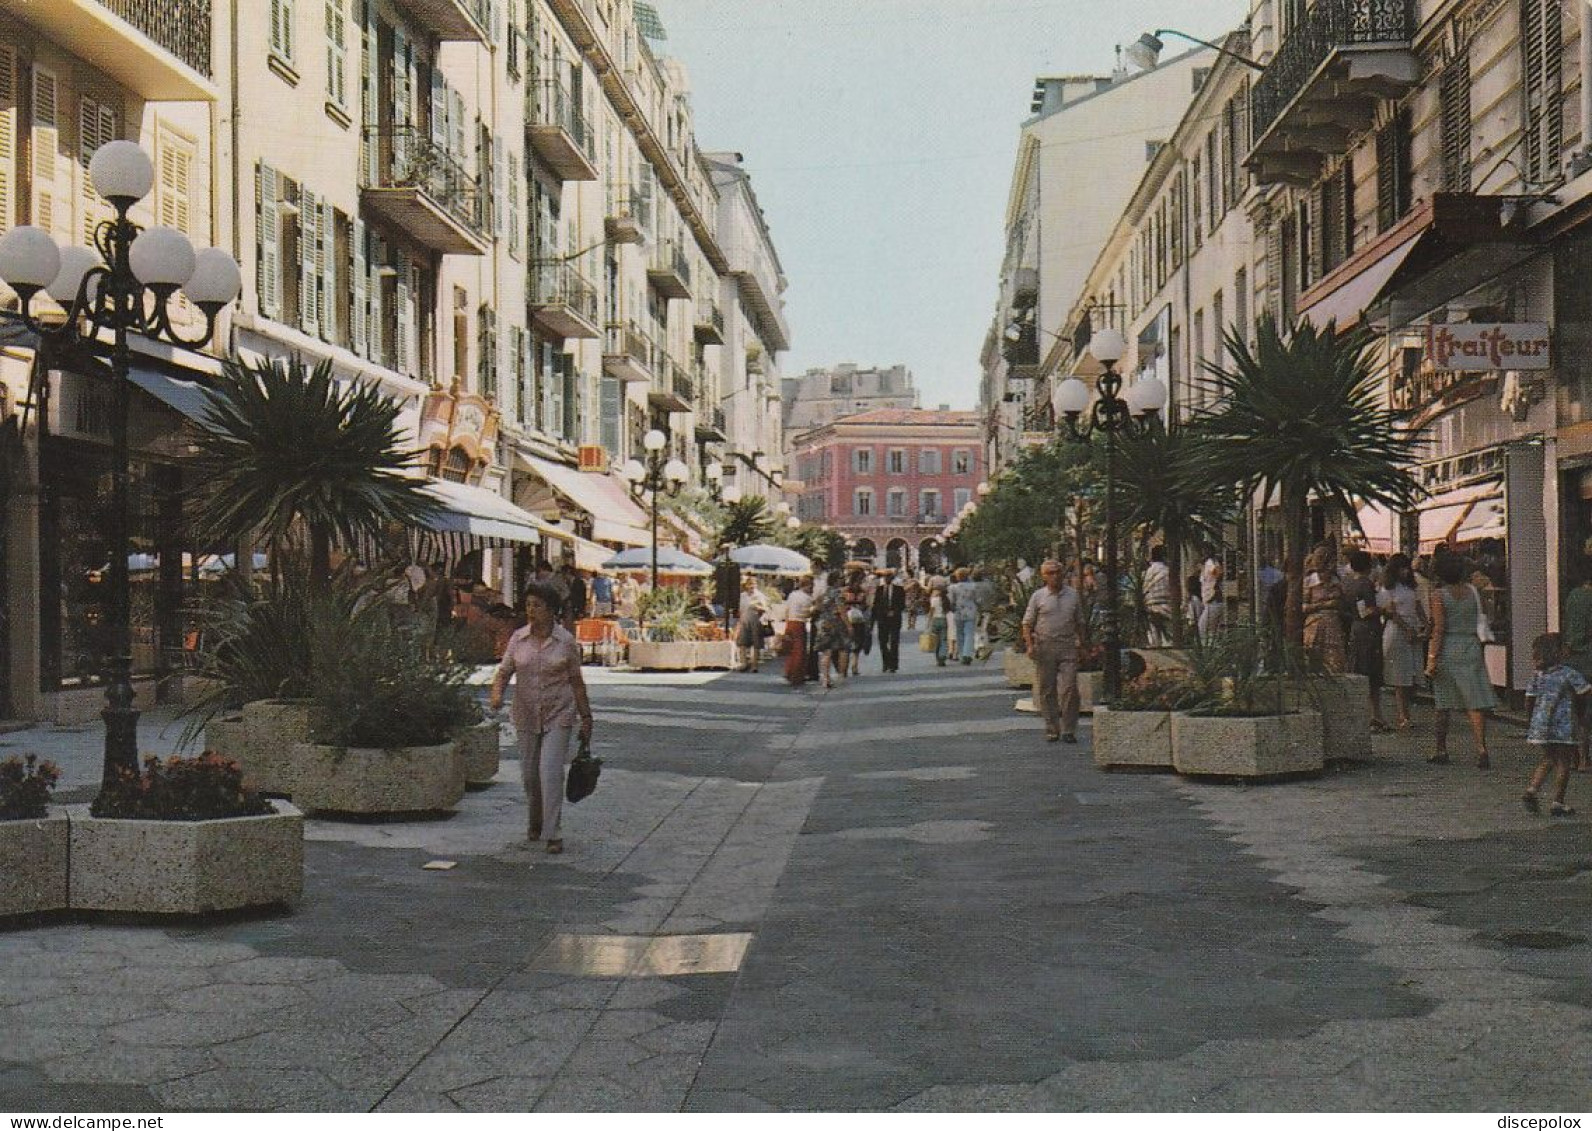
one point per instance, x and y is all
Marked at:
(180, 26)
(626, 339)
(556, 283)
(406, 157)
(552, 105)
(1329, 25)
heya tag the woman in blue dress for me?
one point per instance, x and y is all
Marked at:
(1455, 662)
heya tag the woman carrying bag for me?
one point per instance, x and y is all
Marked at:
(550, 707)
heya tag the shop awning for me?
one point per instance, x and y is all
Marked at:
(615, 515)
(187, 398)
(1376, 526)
(1346, 303)
(1443, 516)
(590, 556)
(478, 513)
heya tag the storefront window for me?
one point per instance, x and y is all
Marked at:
(75, 565)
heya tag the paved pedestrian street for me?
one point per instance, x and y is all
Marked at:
(892, 895)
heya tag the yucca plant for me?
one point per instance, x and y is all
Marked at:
(287, 447)
(746, 523)
(1298, 418)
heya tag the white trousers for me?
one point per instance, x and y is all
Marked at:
(543, 760)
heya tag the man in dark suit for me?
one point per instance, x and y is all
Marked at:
(727, 585)
(889, 606)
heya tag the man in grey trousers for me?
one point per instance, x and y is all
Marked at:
(1051, 626)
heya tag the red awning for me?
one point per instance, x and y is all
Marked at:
(1347, 303)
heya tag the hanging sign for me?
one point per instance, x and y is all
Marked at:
(1473, 347)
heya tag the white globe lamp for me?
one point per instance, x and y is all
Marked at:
(676, 472)
(75, 263)
(1071, 398)
(654, 441)
(162, 258)
(215, 281)
(121, 172)
(29, 259)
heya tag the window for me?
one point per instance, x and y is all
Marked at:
(486, 358)
(1241, 304)
(175, 196)
(516, 221)
(895, 502)
(929, 503)
(1218, 346)
(1197, 377)
(1213, 179)
(282, 29)
(961, 462)
(929, 461)
(896, 461)
(1455, 103)
(1335, 207)
(862, 461)
(96, 125)
(1542, 80)
(862, 501)
(336, 54)
(961, 497)
(1394, 194)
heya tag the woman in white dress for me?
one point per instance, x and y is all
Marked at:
(1404, 626)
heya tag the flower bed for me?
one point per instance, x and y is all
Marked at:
(33, 839)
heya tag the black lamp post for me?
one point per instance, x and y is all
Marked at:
(659, 474)
(125, 285)
(1114, 414)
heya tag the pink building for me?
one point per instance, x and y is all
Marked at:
(890, 479)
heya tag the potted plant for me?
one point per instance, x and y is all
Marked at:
(385, 723)
(1135, 730)
(1006, 627)
(479, 747)
(669, 637)
(184, 836)
(33, 838)
(1249, 727)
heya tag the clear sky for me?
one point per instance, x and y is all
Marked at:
(880, 136)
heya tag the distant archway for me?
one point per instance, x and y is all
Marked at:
(895, 553)
(864, 550)
(931, 555)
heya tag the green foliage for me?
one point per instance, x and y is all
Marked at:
(1161, 691)
(826, 548)
(667, 615)
(391, 683)
(746, 523)
(25, 786)
(1162, 487)
(1011, 602)
(1248, 670)
(1034, 508)
(287, 446)
(206, 788)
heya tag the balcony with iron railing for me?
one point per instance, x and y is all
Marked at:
(709, 328)
(563, 302)
(1324, 86)
(460, 21)
(672, 388)
(711, 423)
(628, 353)
(158, 49)
(669, 272)
(628, 218)
(412, 182)
(1022, 353)
(556, 130)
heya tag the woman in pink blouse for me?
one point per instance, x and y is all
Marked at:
(543, 659)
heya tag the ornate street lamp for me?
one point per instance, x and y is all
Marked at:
(661, 473)
(713, 476)
(1115, 414)
(124, 285)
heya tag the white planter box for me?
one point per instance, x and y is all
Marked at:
(1019, 669)
(1260, 747)
(413, 779)
(261, 740)
(668, 656)
(478, 750)
(185, 867)
(33, 878)
(715, 654)
(1132, 739)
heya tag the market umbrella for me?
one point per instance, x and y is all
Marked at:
(670, 561)
(772, 559)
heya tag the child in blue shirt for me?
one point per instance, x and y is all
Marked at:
(1551, 698)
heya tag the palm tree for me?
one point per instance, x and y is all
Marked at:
(1301, 418)
(289, 448)
(1162, 487)
(746, 523)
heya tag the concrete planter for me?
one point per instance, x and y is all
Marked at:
(1344, 702)
(665, 656)
(412, 779)
(260, 739)
(1090, 691)
(1261, 747)
(718, 654)
(35, 854)
(1132, 739)
(1018, 668)
(478, 749)
(185, 867)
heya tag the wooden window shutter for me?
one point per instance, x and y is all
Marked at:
(439, 108)
(268, 222)
(400, 101)
(9, 98)
(527, 391)
(1346, 201)
(46, 139)
(376, 304)
(326, 269)
(96, 125)
(1455, 101)
(499, 173)
(176, 191)
(309, 279)
(359, 285)
(369, 94)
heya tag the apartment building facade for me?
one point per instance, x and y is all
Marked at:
(494, 210)
(889, 480)
(1080, 155)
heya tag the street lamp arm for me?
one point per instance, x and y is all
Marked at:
(1216, 47)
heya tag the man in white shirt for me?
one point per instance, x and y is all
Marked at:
(1051, 626)
(798, 614)
(1213, 618)
(1158, 596)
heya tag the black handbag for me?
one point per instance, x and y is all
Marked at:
(583, 774)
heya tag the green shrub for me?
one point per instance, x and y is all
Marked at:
(25, 786)
(1161, 691)
(206, 788)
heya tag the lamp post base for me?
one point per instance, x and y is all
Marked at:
(121, 723)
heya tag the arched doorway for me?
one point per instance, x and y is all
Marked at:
(931, 556)
(864, 550)
(895, 553)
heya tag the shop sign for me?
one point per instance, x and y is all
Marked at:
(1476, 347)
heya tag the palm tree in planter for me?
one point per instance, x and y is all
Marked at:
(287, 449)
(1298, 418)
(1165, 488)
(746, 522)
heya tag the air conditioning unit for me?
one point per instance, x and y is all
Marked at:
(593, 457)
